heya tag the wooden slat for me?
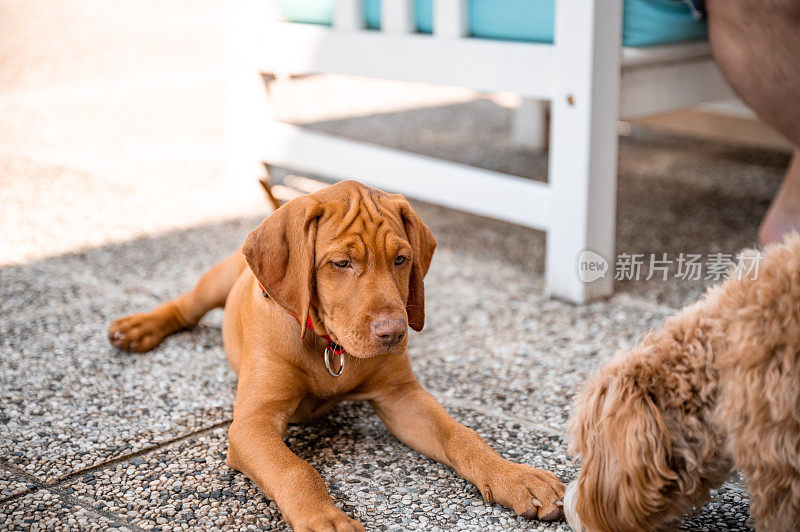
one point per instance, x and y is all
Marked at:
(649, 55)
(397, 16)
(349, 15)
(501, 196)
(485, 65)
(451, 18)
(667, 86)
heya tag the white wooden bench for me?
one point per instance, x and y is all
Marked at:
(589, 79)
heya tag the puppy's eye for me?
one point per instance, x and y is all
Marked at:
(342, 263)
(400, 260)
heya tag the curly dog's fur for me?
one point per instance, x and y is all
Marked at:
(718, 388)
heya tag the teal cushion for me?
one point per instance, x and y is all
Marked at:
(648, 22)
(308, 11)
(645, 22)
(423, 14)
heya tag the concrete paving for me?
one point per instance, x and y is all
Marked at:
(113, 200)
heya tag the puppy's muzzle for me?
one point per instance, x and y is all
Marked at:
(389, 332)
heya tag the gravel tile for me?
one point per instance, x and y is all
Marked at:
(27, 291)
(161, 266)
(186, 483)
(46, 510)
(728, 510)
(12, 482)
(370, 475)
(70, 401)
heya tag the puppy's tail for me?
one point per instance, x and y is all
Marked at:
(266, 184)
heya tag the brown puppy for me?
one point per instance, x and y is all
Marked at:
(347, 262)
(716, 389)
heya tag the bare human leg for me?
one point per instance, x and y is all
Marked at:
(755, 44)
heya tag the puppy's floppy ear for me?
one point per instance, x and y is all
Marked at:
(621, 436)
(280, 252)
(422, 245)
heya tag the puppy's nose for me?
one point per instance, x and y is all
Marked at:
(389, 331)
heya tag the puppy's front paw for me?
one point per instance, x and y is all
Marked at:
(327, 521)
(530, 492)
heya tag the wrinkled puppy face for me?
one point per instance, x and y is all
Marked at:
(363, 273)
(351, 259)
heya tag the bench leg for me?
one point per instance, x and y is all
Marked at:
(248, 110)
(583, 147)
(529, 125)
(247, 114)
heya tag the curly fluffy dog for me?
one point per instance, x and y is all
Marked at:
(718, 388)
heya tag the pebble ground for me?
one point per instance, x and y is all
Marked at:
(113, 200)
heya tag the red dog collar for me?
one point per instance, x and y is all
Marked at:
(334, 348)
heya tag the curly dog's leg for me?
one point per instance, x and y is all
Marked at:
(760, 410)
(774, 498)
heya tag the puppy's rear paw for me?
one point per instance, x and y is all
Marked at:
(138, 333)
